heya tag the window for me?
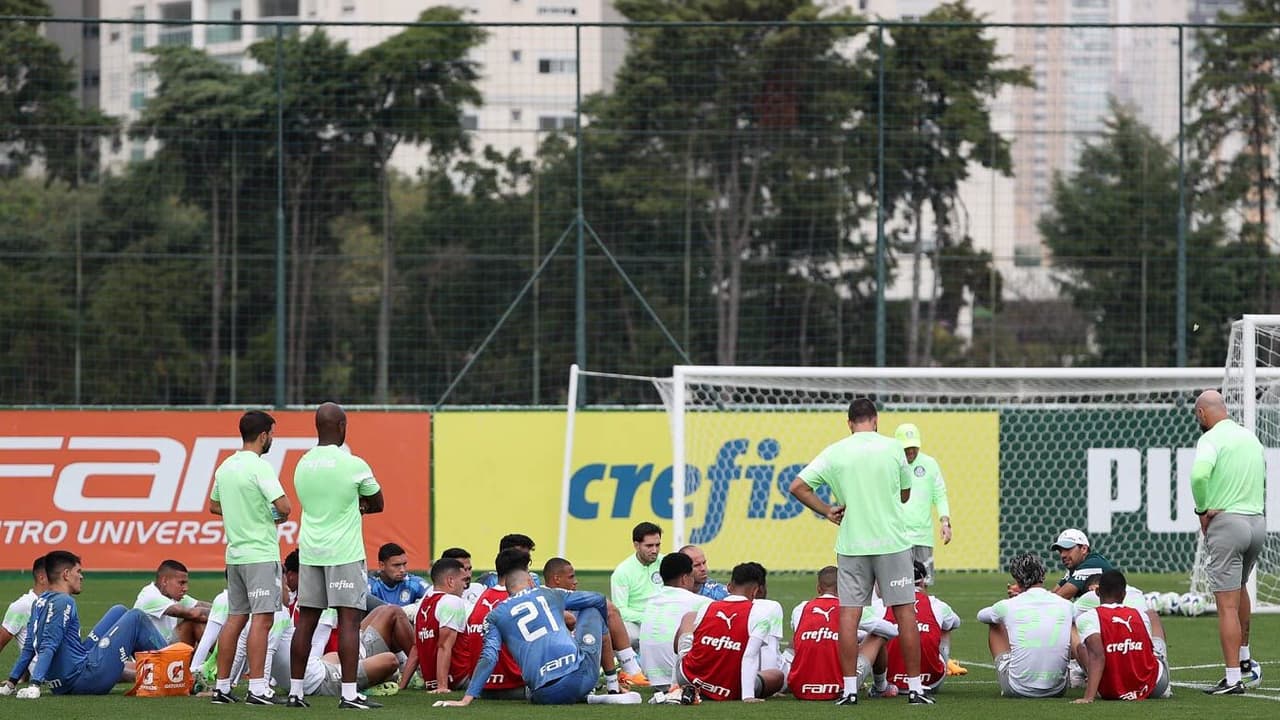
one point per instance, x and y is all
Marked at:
(516, 115)
(90, 30)
(90, 79)
(138, 151)
(560, 10)
(516, 56)
(349, 7)
(233, 61)
(277, 8)
(175, 34)
(230, 11)
(551, 123)
(138, 31)
(470, 122)
(557, 66)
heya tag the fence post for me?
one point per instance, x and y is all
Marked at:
(880, 241)
(1182, 212)
(580, 285)
(280, 398)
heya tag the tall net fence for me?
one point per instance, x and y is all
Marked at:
(200, 209)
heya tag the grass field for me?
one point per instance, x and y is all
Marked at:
(1193, 652)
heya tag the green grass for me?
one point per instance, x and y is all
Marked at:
(1193, 652)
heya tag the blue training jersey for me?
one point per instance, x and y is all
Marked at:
(406, 592)
(714, 590)
(531, 623)
(53, 640)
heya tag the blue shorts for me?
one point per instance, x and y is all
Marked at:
(575, 686)
(117, 636)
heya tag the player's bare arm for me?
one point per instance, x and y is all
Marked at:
(371, 504)
(801, 491)
(215, 507)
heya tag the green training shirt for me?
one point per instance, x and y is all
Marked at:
(866, 473)
(1230, 470)
(246, 486)
(928, 490)
(330, 482)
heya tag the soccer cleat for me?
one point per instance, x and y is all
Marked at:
(890, 690)
(848, 699)
(297, 701)
(1251, 673)
(919, 698)
(955, 668)
(632, 680)
(223, 698)
(360, 703)
(689, 695)
(251, 699)
(1222, 688)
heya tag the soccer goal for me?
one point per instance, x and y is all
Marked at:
(1251, 387)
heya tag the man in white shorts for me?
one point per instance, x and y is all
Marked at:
(1031, 634)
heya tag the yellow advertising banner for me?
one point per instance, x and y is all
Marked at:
(501, 472)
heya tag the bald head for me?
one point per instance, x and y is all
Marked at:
(1211, 409)
(331, 424)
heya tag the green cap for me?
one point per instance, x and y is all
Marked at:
(908, 435)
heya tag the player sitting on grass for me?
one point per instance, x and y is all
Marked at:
(721, 646)
(663, 613)
(440, 628)
(63, 662)
(1030, 635)
(936, 620)
(508, 542)
(812, 664)
(1117, 648)
(559, 668)
(702, 582)
(558, 573)
(177, 616)
(392, 583)
(504, 682)
(14, 625)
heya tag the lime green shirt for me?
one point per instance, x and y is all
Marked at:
(928, 490)
(632, 584)
(866, 473)
(246, 486)
(330, 482)
(1230, 470)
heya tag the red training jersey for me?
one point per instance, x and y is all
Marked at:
(815, 671)
(426, 630)
(932, 668)
(1131, 667)
(714, 665)
(506, 674)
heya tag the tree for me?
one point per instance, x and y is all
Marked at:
(1113, 227)
(1234, 96)
(39, 117)
(412, 88)
(939, 83)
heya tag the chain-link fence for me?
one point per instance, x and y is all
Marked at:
(276, 212)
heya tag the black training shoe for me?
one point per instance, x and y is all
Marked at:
(251, 699)
(296, 701)
(223, 698)
(360, 703)
(689, 695)
(1222, 688)
(849, 699)
(919, 698)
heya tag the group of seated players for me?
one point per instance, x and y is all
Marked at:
(514, 635)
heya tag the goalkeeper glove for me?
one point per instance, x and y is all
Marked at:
(6, 688)
(30, 692)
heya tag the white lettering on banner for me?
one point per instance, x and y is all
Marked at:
(171, 489)
(126, 532)
(1115, 485)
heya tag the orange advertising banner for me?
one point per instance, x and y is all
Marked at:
(126, 490)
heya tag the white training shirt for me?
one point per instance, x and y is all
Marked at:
(658, 626)
(1133, 598)
(16, 617)
(1039, 627)
(152, 602)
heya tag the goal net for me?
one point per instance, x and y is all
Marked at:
(1251, 387)
(1024, 453)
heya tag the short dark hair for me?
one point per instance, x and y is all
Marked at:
(748, 573)
(253, 423)
(455, 553)
(170, 566)
(37, 568)
(862, 409)
(675, 565)
(442, 567)
(291, 561)
(555, 565)
(1112, 585)
(921, 572)
(827, 577)
(58, 560)
(510, 559)
(644, 530)
(388, 551)
(515, 540)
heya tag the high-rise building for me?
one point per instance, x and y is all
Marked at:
(79, 45)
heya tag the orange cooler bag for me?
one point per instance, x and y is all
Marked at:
(163, 672)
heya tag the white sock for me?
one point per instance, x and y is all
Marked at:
(1244, 653)
(295, 687)
(915, 684)
(348, 691)
(850, 684)
(224, 684)
(1233, 675)
(611, 681)
(258, 686)
(627, 657)
(881, 680)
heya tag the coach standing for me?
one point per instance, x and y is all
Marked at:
(1227, 482)
(869, 472)
(334, 488)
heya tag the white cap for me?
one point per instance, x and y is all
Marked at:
(1070, 538)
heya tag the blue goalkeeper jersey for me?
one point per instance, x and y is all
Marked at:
(406, 592)
(531, 624)
(53, 639)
